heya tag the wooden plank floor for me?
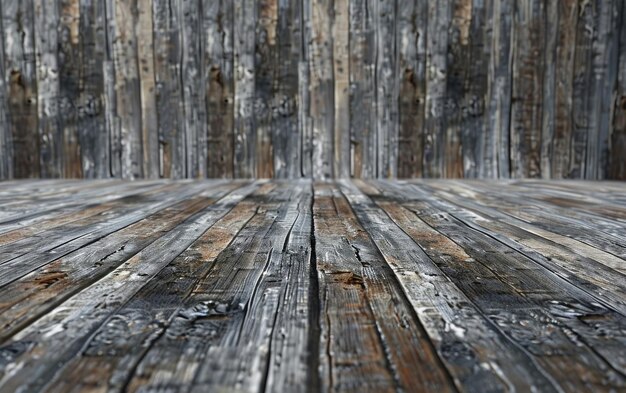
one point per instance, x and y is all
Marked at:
(285, 286)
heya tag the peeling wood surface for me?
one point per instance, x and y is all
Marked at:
(301, 285)
(317, 89)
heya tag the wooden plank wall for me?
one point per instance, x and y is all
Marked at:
(315, 88)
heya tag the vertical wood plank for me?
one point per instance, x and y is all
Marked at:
(526, 108)
(46, 18)
(549, 87)
(583, 74)
(287, 132)
(341, 76)
(244, 129)
(69, 90)
(474, 129)
(321, 88)
(411, 46)
(439, 18)
(304, 102)
(457, 75)
(604, 68)
(266, 63)
(362, 89)
(169, 95)
(218, 30)
(194, 99)
(93, 132)
(112, 120)
(564, 87)
(147, 79)
(128, 89)
(6, 144)
(21, 82)
(618, 137)
(386, 89)
(496, 142)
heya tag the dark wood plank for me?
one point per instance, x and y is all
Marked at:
(266, 65)
(341, 81)
(288, 133)
(618, 136)
(244, 25)
(169, 91)
(437, 37)
(567, 15)
(362, 90)
(507, 308)
(218, 316)
(194, 90)
(411, 45)
(111, 292)
(359, 290)
(20, 75)
(499, 93)
(321, 100)
(6, 143)
(527, 87)
(69, 87)
(93, 131)
(218, 25)
(128, 89)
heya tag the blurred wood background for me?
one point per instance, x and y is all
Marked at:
(313, 88)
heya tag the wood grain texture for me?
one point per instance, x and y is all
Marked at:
(301, 285)
(318, 89)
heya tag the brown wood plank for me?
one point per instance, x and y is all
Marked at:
(521, 299)
(211, 321)
(358, 289)
(88, 309)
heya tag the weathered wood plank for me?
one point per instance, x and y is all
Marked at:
(411, 47)
(93, 131)
(211, 321)
(527, 87)
(266, 64)
(97, 300)
(341, 81)
(568, 11)
(418, 255)
(474, 112)
(21, 79)
(437, 37)
(169, 95)
(362, 89)
(456, 81)
(499, 93)
(46, 21)
(6, 143)
(244, 25)
(618, 136)
(147, 81)
(69, 87)
(193, 88)
(604, 71)
(290, 122)
(322, 97)
(518, 272)
(128, 89)
(386, 88)
(354, 276)
(64, 276)
(218, 25)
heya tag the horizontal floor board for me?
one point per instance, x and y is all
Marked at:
(429, 285)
